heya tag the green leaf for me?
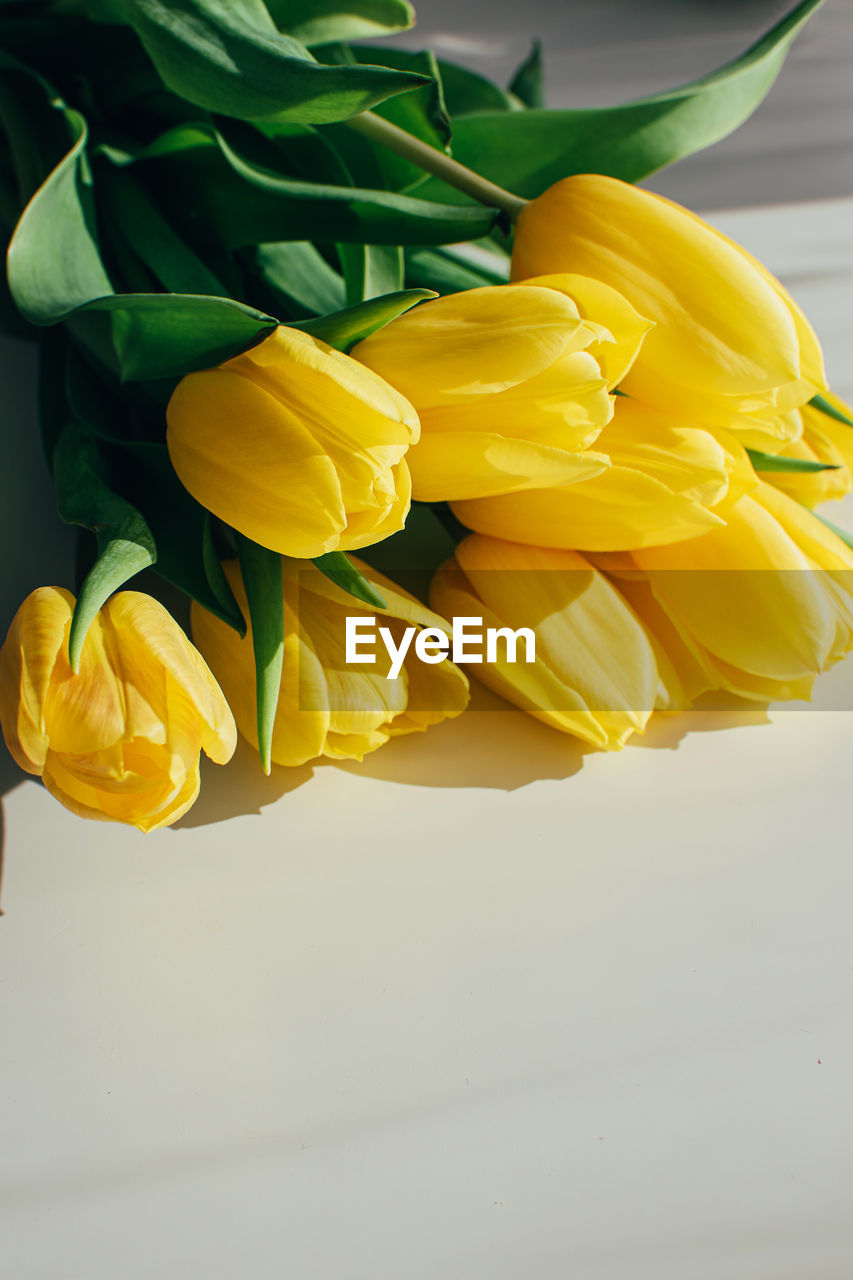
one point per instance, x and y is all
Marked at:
(819, 402)
(165, 335)
(142, 471)
(337, 566)
(133, 213)
(527, 83)
(181, 527)
(775, 462)
(228, 56)
(412, 556)
(466, 92)
(297, 272)
(262, 579)
(228, 197)
(846, 538)
(54, 265)
(453, 269)
(122, 553)
(422, 113)
(345, 328)
(319, 211)
(371, 270)
(125, 543)
(34, 121)
(322, 21)
(527, 151)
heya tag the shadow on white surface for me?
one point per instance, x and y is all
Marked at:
(492, 747)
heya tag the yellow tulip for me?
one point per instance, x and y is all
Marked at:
(511, 382)
(666, 482)
(757, 608)
(326, 706)
(295, 445)
(729, 347)
(121, 739)
(594, 675)
(823, 440)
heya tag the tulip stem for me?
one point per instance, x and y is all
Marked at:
(436, 162)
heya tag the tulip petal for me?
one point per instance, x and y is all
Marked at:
(565, 406)
(595, 674)
(685, 459)
(599, 302)
(304, 371)
(87, 712)
(365, 528)
(725, 331)
(162, 667)
(250, 461)
(38, 633)
(748, 593)
(452, 466)
(327, 706)
(102, 787)
(475, 343)
(621, 508)
(823, 440)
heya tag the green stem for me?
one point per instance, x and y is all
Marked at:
(436, 162)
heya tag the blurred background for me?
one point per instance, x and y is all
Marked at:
(797, 146)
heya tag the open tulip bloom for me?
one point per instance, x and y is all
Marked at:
(579, 451)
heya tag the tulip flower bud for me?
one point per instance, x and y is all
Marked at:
(594, 675)
(757, 608)
(121, 739)
(328, 706)
(295, 445)
(729, 347)
(511, 382)
(824, 440)
(666, 482)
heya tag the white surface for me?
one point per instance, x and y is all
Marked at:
(485, 1006)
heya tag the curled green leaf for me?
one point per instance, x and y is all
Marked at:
(338, 567)
(261, 571)
(825, 406)
(228, 56)
(125, 542)
(776, 462)
(344, 329)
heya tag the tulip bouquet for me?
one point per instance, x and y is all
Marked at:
(298, 296)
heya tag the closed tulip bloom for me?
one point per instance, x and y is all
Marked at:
(665, 482)
(511, 383)
(120, 740)
(295, 445)
(757, 608)
(594, 675)
(729, 347)
(824, 440)
(328, 707)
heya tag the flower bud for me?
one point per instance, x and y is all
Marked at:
(120, 740)
(594, 673)
(729, 346)
(511, 382)
(327, 706)
(295, 445)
